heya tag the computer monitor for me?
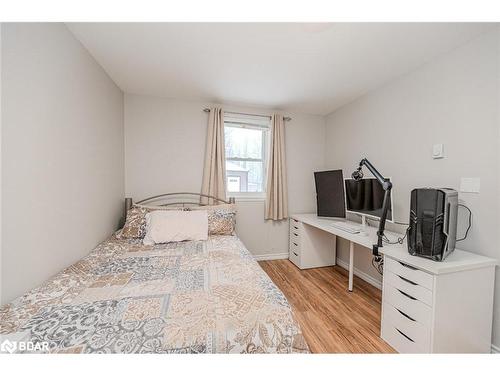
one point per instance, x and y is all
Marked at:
(366, 197)
(330, 193)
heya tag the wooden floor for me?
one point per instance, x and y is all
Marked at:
(333, 320)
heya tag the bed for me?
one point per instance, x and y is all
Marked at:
(183, 297)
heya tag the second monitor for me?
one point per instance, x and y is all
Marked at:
(365, 197)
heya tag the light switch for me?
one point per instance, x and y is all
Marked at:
(470, 184)
(438, 151)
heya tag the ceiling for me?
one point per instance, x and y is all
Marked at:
(310, 68)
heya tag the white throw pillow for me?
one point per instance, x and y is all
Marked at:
(175, 226)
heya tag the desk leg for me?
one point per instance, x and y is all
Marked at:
(351, 265)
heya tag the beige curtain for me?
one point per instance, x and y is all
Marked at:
(276, 192)
(214, 172)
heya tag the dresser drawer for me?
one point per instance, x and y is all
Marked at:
(294, 236)
(294, 257)
(409, 273)
(409, 287)
(410, 330)
(409, 305)
(295, 248)
(400, 341)
(294, 254)
(295, 226)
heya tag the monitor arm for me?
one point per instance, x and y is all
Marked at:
(387, 186)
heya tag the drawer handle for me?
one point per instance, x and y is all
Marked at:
(406, 315)
(408, 281)
(296, 227)
(295, 244)
(401, 333)
(294, 253)
(408, 266)
(295, 234)
(406, 295)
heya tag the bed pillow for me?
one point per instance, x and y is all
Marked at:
(221, 218)
(135, 223)
(164, 226)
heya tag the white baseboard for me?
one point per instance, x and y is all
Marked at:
(495, 349)
(362, 275)
(270, 256)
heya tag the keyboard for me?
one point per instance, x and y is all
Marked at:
(350, 228)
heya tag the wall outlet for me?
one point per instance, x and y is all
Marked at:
(438, 151)
(470, 184)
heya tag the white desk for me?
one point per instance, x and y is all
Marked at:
(427, 306)
(459, 260)
(311, 220)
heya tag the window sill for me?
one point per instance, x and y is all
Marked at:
(247, 198)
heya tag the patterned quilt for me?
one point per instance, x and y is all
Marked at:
(188, 297)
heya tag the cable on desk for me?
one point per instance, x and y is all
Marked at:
(378, 264)
(470, 222)
(400, 240)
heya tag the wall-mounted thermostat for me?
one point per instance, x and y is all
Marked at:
(438, 151)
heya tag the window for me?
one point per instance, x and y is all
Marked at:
(246, 140)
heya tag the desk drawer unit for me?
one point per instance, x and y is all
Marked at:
(447, 312)
(407, 307)
(295, 229)
(310, 247)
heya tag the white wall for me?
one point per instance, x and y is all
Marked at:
(453, 100)
(164, 151)
(62, 154)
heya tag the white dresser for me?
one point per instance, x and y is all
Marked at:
(311, 247)
(437, 307)
(427, 306)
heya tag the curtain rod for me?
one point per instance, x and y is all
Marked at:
(248, 114)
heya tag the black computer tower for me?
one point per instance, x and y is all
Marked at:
(433, 223)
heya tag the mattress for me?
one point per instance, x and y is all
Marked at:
(187, 297)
